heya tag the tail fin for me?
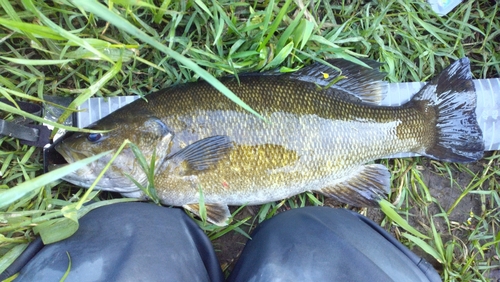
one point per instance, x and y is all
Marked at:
(452, 97)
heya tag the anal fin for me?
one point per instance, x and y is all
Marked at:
(217, 214)
(364, 187)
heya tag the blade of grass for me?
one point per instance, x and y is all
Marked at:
(390, 212)
(67, 35)
(276, 22)
(98, 9)
(89, 92)
(35, 62)
(15, 193)
(36, 30)
(424, 246)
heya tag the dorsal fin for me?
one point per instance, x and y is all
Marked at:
(359, 81)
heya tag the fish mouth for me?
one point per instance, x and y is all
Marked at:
(70, 155)
(57, 158)
(60, 155)
(66, 153)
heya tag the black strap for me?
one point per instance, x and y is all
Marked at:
(18, 131)
(32, 249)
(27, 133)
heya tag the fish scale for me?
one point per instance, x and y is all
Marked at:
(317, 136)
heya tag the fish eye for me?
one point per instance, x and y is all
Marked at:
(94, 137)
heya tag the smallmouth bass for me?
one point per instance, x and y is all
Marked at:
(319, 135)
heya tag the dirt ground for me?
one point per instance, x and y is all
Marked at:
(229, 246)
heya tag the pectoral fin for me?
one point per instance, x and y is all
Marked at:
(217, 214)
(202, 154)
(364, 187)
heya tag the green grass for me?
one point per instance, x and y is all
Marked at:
(82, 49)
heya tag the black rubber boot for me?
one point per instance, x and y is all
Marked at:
(129, 242)
(326, 244)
